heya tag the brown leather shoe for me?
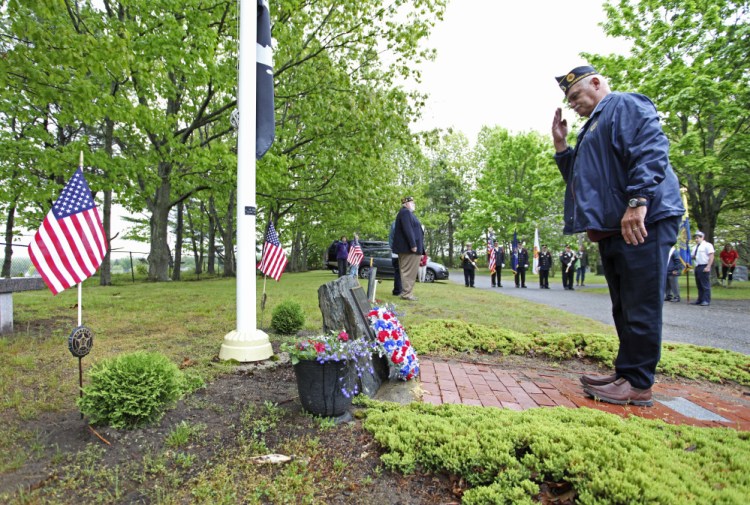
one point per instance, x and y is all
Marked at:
(620, 392)
(597, 380)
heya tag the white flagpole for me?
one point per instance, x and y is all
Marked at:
(247, 342)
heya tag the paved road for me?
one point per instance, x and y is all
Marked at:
(725, 324)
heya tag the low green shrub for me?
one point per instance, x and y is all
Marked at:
(450, 337)
(133, 389)
(505, 456)
(287, 317)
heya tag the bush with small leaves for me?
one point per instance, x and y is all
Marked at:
(287, 318)
(133, 389)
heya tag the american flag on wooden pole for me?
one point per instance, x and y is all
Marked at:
(274, 259)
(70, 245)
(355, 255)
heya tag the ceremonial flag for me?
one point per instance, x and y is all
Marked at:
(514, 253)
(70, 245)
(274, 259)
(535, 267)
(490, 241)
(265, 122)
(493, 261)
(683, 237)
(683, 243)
(355, 254)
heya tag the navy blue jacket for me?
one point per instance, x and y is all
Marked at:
(621, 153)
(407, 233)
(342, 250)
(674, 264)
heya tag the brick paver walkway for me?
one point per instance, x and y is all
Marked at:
(492, 386)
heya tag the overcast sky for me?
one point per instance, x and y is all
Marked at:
(497, 61)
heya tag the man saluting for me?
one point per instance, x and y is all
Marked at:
(622, 191)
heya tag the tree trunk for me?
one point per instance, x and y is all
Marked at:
(211, 236)
(178, 245)
(228, 238)
(197, 244)
(9, 241)
(158, 256)
(105, 269)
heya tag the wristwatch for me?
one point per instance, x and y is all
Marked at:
(635, 202)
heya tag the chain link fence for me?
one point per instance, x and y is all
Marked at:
(125, 265)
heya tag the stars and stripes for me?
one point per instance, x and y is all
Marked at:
(274, 258)
(493, 261)
(265, 121)
(70, 244)
(355, 255)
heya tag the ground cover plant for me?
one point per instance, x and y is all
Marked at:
(204, 449)
(507, 457)
(685, 360)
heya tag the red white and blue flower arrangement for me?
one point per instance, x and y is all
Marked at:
(393, 342)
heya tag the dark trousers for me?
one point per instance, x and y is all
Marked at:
(637, 277)
(497, 276)
(520, 275)
(543, 278)
(342, 264)
(469, 276)
(567, 277)
(396, 276)
(703, 282)
(725, 271)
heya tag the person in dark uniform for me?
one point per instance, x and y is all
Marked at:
(621, 190)
(674, 269)
(497, 275)
(568, 267)
(583, 265)
(469, 263)
(545, 263)
(523, 264)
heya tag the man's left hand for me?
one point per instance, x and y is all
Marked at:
(632, 225)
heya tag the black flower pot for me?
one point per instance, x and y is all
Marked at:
(320, 388)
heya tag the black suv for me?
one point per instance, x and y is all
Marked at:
(380, 254)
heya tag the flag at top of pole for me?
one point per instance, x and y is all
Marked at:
(70, 244)
(274, 259)
(535, 267)
(265, 122)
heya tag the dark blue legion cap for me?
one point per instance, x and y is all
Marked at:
(567, 81)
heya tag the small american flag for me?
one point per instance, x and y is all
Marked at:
(493, 261)
(355, 255)
(70, 245)
(274, 259)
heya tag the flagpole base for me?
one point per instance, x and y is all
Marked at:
(246, 346)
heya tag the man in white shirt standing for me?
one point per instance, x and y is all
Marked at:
(703, 259)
